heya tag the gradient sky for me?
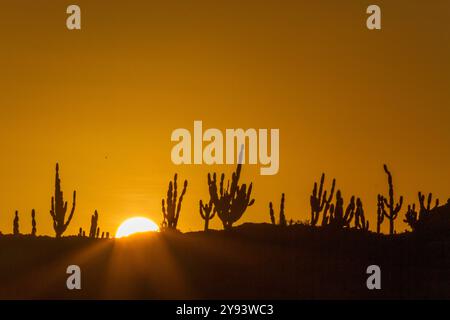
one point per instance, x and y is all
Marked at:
(103, 102)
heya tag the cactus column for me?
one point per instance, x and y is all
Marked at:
(59, 208)
(380, 212)
(205, 212)
(393, 208)
(16, 224)
(33, 223)
(94, 224)
(172, 212)
(319, 200)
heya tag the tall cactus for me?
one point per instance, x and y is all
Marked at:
(59, 208)
(360, 220)
(16, 224)
(33, 223)
(380, 212)
(94, 225)
(319, 199)
(207, 213)
(172, 213)
(393, 208)
(272, 213)
(230, 202)
(282, 218)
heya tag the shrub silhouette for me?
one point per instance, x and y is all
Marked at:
(16, 224)
(282, 218)
(59, 208)
(33, 223)
(411, 217)
(232, 202)
(94, 225)
(172, 213)
(360, 220)
(206, 212)
(319, 200)
(380, 212)
(393, 209)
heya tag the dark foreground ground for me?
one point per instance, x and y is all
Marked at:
(251, 262)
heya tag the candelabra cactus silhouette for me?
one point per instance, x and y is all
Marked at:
(171, 214)
(207, 213)
(319, 200)
(94, 225)
(360, 220)
(425, 209)
(59, 208)
(16, 224)
(282, 218)
(338, 218)
(230, 202)
(415, 219)
(380, 212)
(33, 223)
(393, 208)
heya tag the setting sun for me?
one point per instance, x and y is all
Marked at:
(136, 225)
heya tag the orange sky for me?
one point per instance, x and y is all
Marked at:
(103, 102)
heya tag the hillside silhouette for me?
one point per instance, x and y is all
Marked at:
(325, 257)
(252, 261)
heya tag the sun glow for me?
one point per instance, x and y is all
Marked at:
(135, 225)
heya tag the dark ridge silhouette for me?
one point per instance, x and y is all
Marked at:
(319, 201)
(250, 261)
(230, 202)
(16, 224)
(297, 261)
(172, 213)
(59, 208)
(207, 213)
(33, 223)
(393, 208)
(282, 218)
